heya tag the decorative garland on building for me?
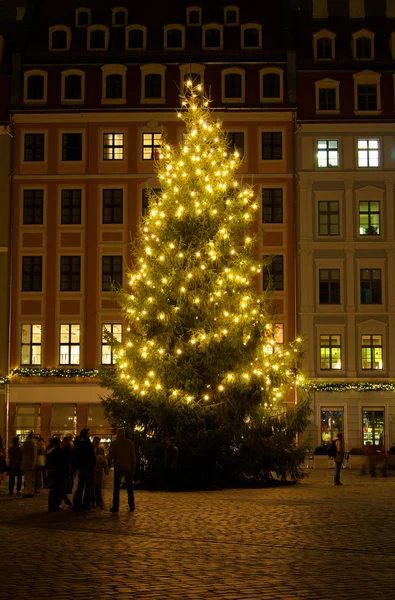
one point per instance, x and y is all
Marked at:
(63, 373)
(354, 386)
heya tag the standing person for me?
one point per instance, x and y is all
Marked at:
(40, 465)
(14, 467)
(85, 461)
(339, 457)
(171, 464)
(98, 448)
(28, 463)
(68, 482)
(58, 468)
(100, 466)
(3, 463)
(123, 455)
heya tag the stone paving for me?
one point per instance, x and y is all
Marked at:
(312, 540)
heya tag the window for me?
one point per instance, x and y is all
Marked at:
(235, 141)
(136, 36)
(33, 207)
(70, 344)
(328, 153)
(191, 72)
(174, 37)
(34, 147)
(111, 272)
(145, 199)
(193, 78)
(324, 48)
(231, 15)
(272, 145)
(35, 87)
(32, 267)
(82, 17)
(114, 86)
(368, 153)
(151, 145)
(72, 87)
(328, 217)
(369, 218)
(272, 205)
(331, 423)
(212, 37)
(153, 85)
(279, 333)
(367, 97)
(233, 86)
(70, 212)
(70, 273)
(64, 417)
(119, 17)
(373, 429)
(71, 146)
(329, 286)
(271, 85)
(113, 146)
(107, 353)
(327, 99)
(31, 344)
(273, 274)
(194, 16)
(370, 286)
(372, 352)
(112, 206)
(59, 40)
(251, 36)
(363, 48)
(330, 352)
(27, 418)
(97, 37)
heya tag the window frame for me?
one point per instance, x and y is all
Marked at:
(329, 347)
(368, 78)
(106, 287)
(93, 28)
(207, 27)
(34, 190)
(135, 28)
(64, 75)
(330, 293)
(63, 188)
(72, 132)
(24, 273)
(176, 27)
(194, 9)
(30, 344)
(267, 271)
(70, 344)
(33, 73)
(104, 342)
(232, 71)
(114, 11)
(108, 70)
(112, 208)
(323, 33)
(153, 69)
(191, 68)
(80, 10)
(327, 84)
(269, 71)
(273, 189)
(271, 131)
(363, 33)
(371, 346)
(69, 272)
(51, 30)
(231, 9)
(247, 26)
(367, 149)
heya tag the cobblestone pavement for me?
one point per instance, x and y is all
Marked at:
(311, 540)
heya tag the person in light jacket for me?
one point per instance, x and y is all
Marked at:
(123, 456)
(339, 457)
(29, 458)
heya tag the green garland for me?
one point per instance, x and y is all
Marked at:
(354, 386)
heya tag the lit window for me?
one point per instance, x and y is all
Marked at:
(328, 153)
(108, 331)
(368, 153)
(370, 284)
(369, 218)
(151, 145)
(330, 352)
(328, 217)
(279, 333)
(31, 344)
(113, 146)
(70, 344)
(331, 424)
(372, 352)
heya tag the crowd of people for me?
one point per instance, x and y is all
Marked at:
(73, 469)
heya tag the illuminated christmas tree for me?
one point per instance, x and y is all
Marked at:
(200, 359)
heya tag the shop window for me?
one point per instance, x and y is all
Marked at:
(235, 142)
(112, 270)
(72, 147)
(32, 271)
(31, 344)
(330, 352)
(372, 352)
(70, 273)
(27, 418)
(328, 217)
(63, 419)
(368, 153)
(370, 283)
(369, 218)
(332, 422)
(113, 146)
(70, 344)
(272, 145)
(272, 205)
(33, 207)
(108, 357)
(70, 211)
(113, 206)
(151, 145)
(273, 274)
(97, 421)
(145, 199)
(34, 147)
(373, 426)
(328, 154)
(329, 286)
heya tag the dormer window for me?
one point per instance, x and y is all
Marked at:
(251, 36)
(73, 86)
(324, 48)
(174, 37)
(194, 16)
(97, 37)
(119, 17)
(59, 37)
(212, 37)
(192, 72)
(135, 37)
(35, 88)
(324, 45)
(363, 45)
(231, 15)
(114, 84)
(364, 48)
(83, 17)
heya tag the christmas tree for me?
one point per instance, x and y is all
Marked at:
(200, 359)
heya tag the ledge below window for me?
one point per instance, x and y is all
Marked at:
(367, 113)
(153, 101)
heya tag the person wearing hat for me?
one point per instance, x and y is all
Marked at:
(84, 454)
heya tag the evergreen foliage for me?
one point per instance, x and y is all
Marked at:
(200, 359)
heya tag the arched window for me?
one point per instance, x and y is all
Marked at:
(114, 86)
(271, 85)
(35, 87)
(191, 72)
(72, 87)
(153, 85)
(173, 38)
(233, 85)
(97, 37)
(194, 16)
(119, 17)
(83, 17)
(363, 45)
(136, 37)
(59, 40)
(212, 37)
(231, 15)
(251, 36)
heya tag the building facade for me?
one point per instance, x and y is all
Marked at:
(345, 157)
(96, 92)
